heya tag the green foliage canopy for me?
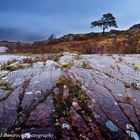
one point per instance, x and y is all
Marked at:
(107, 20)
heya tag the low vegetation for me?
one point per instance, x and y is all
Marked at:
(67, 66)
(11, 68)
(128, 97)
(28, 60)
(109, 75)
(63, 80)
(4, 85)
(67, 109)
(135, 67)
(85, 65)
(113, 42)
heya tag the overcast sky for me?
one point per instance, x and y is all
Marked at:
(29, 20)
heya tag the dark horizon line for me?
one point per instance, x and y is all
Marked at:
(60, 36)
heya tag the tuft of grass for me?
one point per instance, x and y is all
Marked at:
(66, 112)
(109, 75)
(117, 66)
(66, 66)
(135, 67)
(4, 66)
(128, 97)
(85, 65)
(63, 80)
(11, 61)
(4, 85)
(28, 60)
(14, 68)
(77, 57)
(81, 96)
(42, 98)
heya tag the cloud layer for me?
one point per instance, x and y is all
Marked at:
(29, 20)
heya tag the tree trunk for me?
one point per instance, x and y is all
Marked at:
(103, 31)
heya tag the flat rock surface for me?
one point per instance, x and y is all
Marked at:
(100, 100)
(113, 83)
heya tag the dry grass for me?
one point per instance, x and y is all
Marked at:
(121, 43)
(66, 66)
(135, 67)
(85, 65)
(128, 97)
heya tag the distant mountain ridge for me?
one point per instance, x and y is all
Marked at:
(115, 41)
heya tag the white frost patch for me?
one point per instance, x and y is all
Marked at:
(38, 92)
(37, 82)
(29, 93)
(115, 103)
(120, 95)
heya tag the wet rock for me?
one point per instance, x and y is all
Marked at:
(108, 87)
(9, 107)
(131, 114)
(39, 86)
(41, 116)
(106, 113)
(17, 77)
(78, 122)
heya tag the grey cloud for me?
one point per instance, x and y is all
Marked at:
(16, 34)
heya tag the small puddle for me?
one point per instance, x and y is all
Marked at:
(111, 126)
(131, 132)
